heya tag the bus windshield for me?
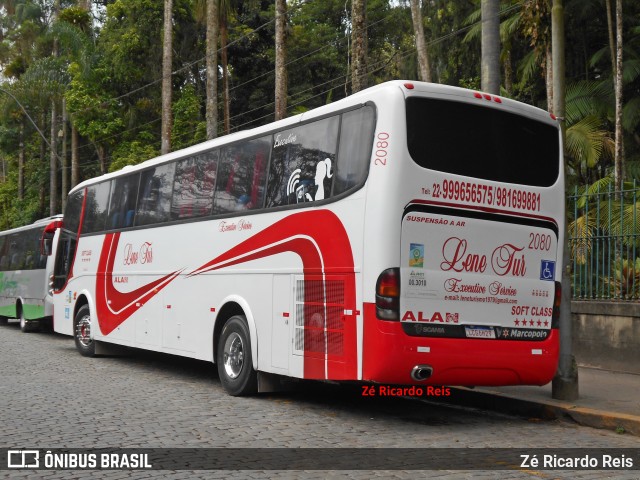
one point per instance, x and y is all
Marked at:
(481, 142)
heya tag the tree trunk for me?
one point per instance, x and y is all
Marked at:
(53, 164)
(53, 167)
(612, 37)
(75, 155)
(424, 70)
(212, 69)
(165, 144)
(358, 45)
(43, 159)
(490, 71)
(65, 165)
(102, 158)
(565, 383)
(21, 162)
(548, 74)
(619, 161)
(281, 58)
(508, 72)
(224, 34)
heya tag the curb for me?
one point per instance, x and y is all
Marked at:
(547, 410)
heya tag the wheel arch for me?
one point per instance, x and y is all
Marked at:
(229, 307)
(82, 299)
(19, 303)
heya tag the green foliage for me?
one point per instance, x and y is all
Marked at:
(188, 126)
(76, 16)
(131, 153)
(109, 73)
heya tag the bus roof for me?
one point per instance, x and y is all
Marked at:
(408, 87)
(43, 222)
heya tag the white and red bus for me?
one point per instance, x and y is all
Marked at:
(407, 234)
(26, 265)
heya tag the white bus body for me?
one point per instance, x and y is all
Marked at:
(25, 269)
(351, 261)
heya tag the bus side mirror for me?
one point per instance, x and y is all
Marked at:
(46, 246)
(46, 241)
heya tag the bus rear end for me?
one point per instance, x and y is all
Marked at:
(474, 299)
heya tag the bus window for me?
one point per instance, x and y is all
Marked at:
(96, 208)
(122, 208)
(242, 176)
(193, 186)
(154, 202)
(3, 256)
(356, 140)
(17, 252)
(73, 210)
(501, 146)
(303, 163)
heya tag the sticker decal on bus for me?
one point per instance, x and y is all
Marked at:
(547, 270)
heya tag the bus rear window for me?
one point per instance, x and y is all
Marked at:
(481, 142)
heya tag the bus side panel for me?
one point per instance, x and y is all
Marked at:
(155, 293)
(23, 287)
(8, 291)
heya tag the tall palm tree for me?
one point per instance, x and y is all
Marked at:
(424, 70)
(225, 12)
(207, 12)
(212, 68)
(53, 159)
(167, 58)
(619, 161)
(359, 46)
(281, 59)
(490, 70)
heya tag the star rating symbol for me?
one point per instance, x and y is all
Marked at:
(517, 322)
(531, 323)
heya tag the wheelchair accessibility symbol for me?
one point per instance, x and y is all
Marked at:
(547, 270)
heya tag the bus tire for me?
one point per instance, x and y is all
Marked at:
(25, 326)
(82, 332)
(3, 320)
(233, 356)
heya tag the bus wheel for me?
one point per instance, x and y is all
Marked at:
(235, 365)
(82, 332)
(3, 320)
(24, 325)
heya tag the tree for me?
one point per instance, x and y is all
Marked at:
(212, 68)
(490, 46)
(424, 69)
(565, 383)
(167, 56)
(359, 47)
(619, 161)
(225, 11)
(53, 160)
(281, 59)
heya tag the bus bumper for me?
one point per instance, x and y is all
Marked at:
(390, 355)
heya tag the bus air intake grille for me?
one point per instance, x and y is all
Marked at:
(319, 316)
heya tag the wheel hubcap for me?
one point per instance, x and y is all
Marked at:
(83, 331)
(233, 355)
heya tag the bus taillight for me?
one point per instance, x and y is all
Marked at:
(557, 299)
(388, 295)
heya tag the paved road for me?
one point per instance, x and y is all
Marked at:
(54, 398)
